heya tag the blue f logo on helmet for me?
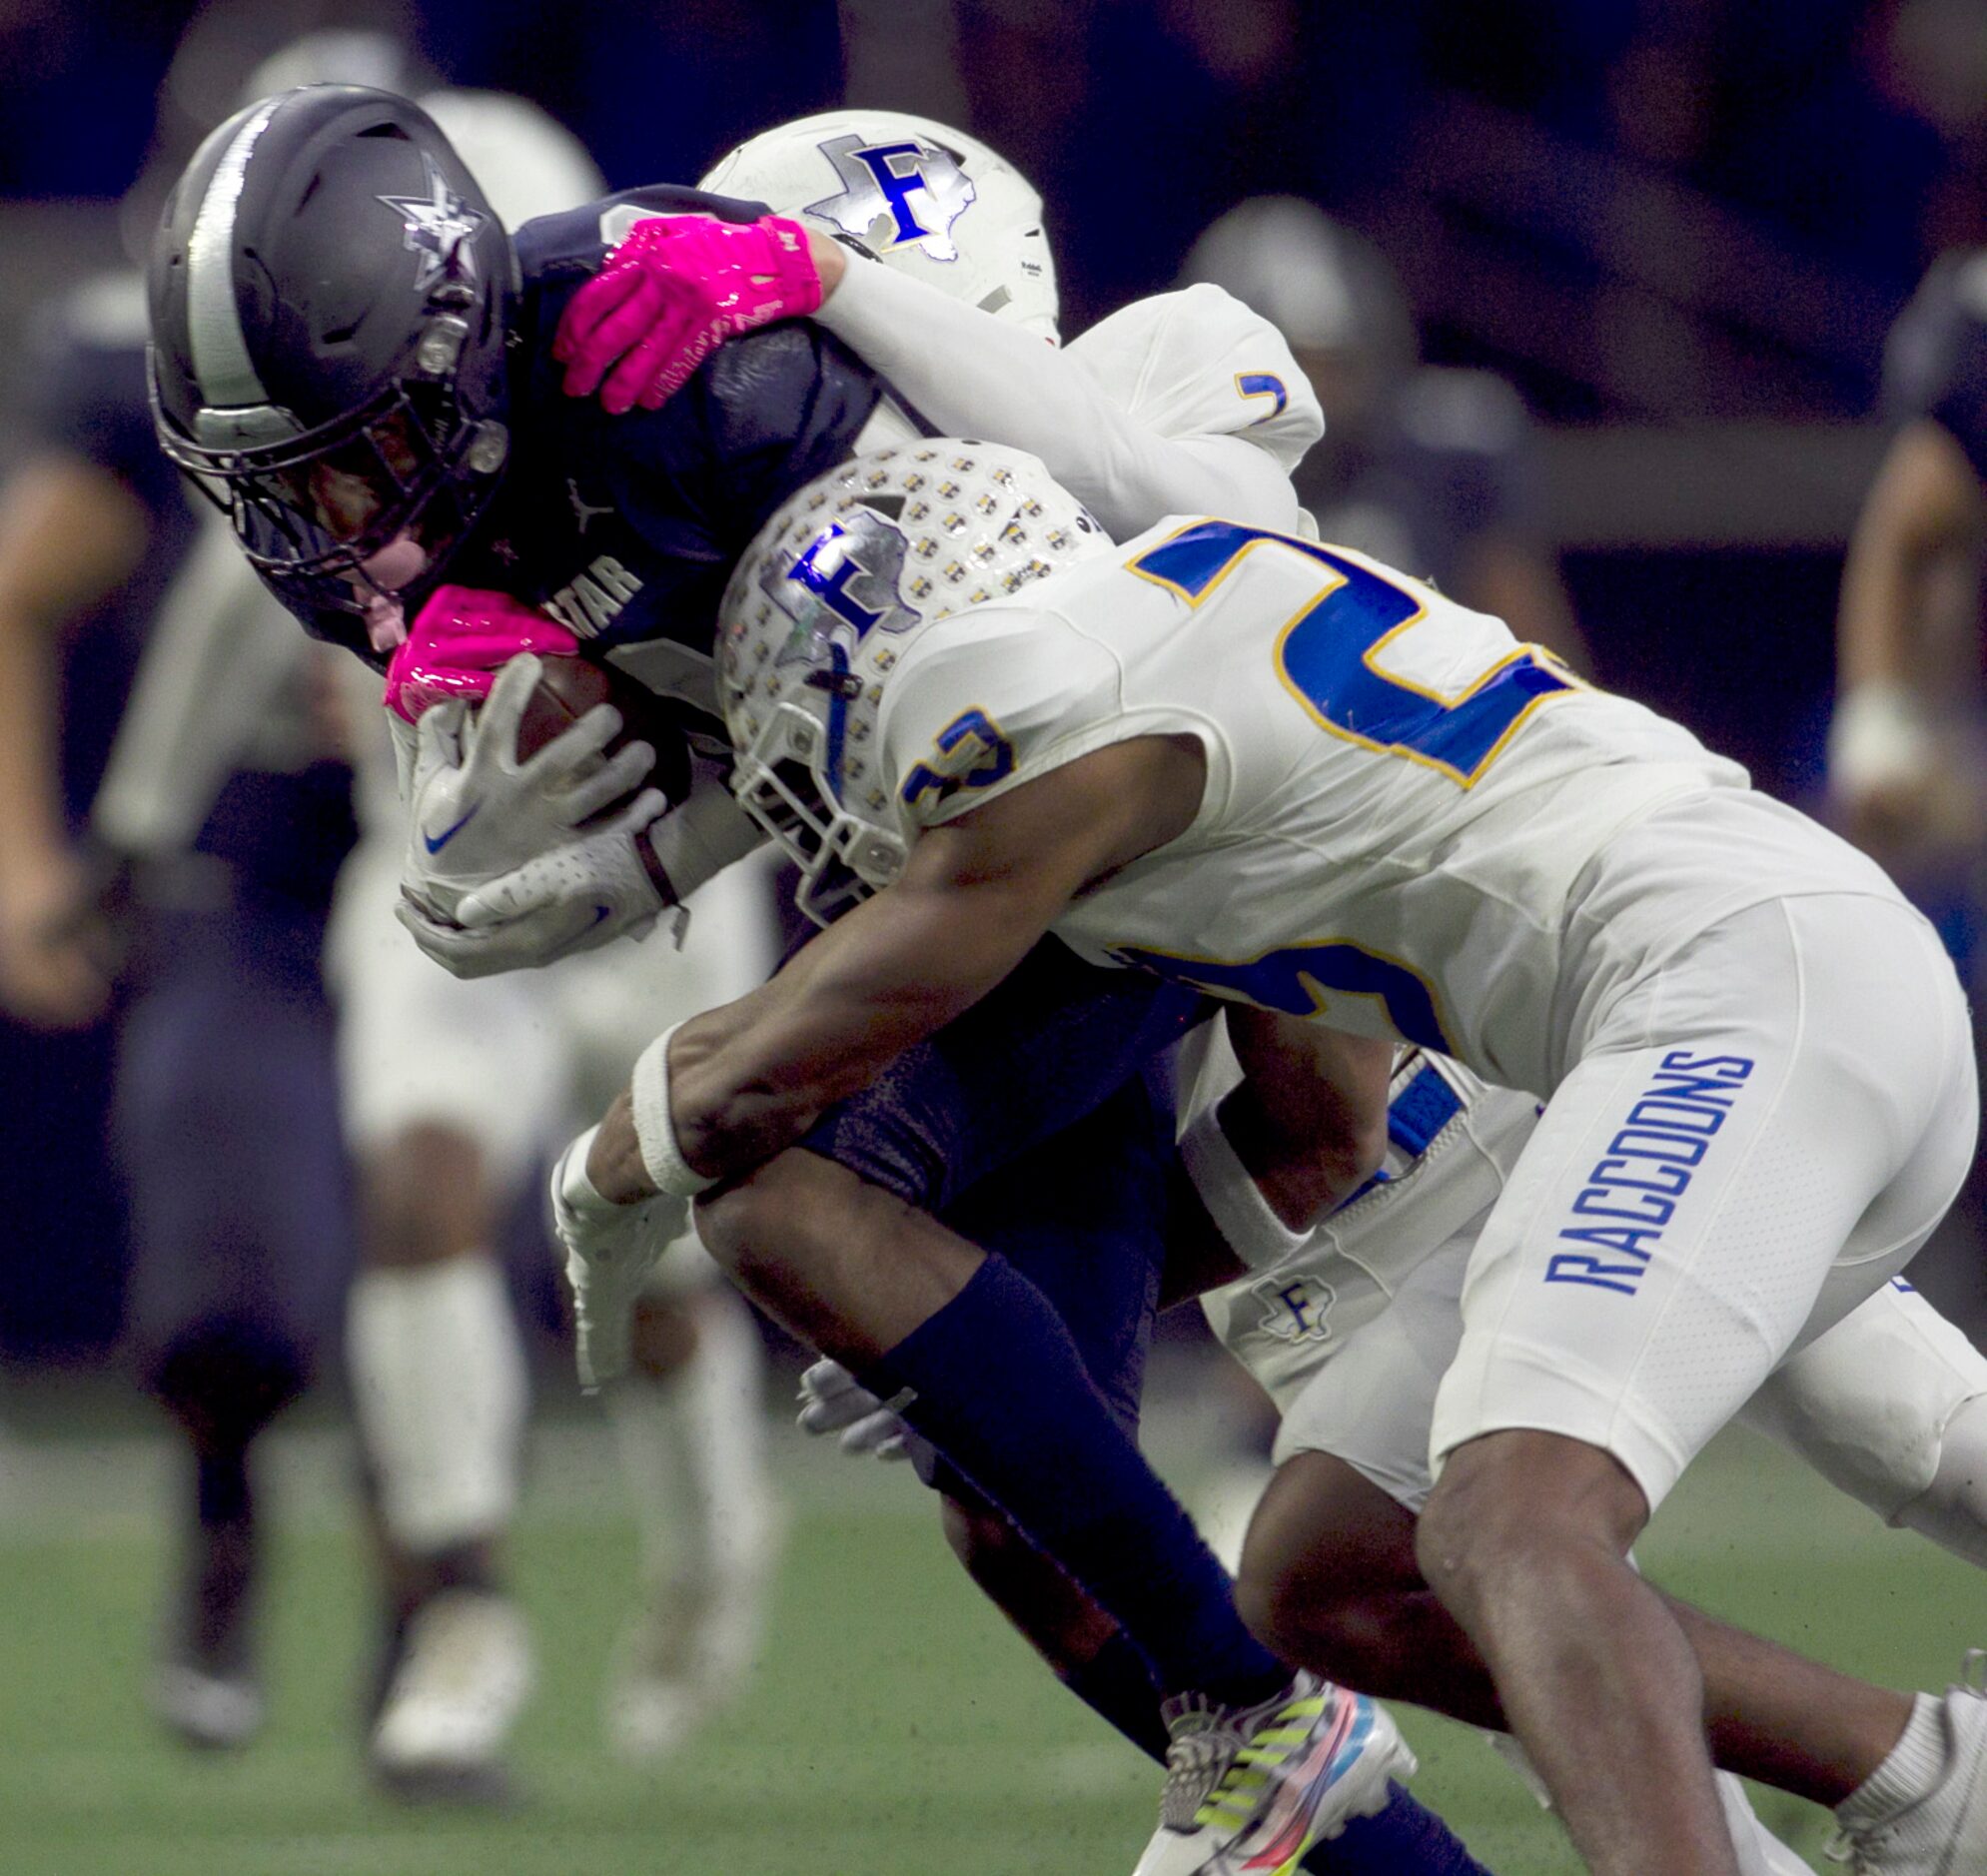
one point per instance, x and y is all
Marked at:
(879, 180)
(852, 567)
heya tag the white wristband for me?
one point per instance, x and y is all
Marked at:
(1234, 1199)
(1879, 739)
(575, 1184)
(654, 1131)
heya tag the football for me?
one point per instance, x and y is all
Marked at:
(571, 687)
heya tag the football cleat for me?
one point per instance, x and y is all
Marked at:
(1945, 1832)
(684, 1659)
(461, 1681)
(1249, 1790)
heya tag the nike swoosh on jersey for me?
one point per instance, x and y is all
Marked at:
(435, 843)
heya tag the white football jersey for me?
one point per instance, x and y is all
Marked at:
(1198, 363)
(1400, 796)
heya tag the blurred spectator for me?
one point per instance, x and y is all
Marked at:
(1429, 470)
(225, 1109)
(1906, 767)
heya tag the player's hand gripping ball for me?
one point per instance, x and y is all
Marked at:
(463, 636)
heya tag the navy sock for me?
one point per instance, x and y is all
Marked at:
(220, 1485)
(994, 1382)
(1116, 1684)
(1406, 1839)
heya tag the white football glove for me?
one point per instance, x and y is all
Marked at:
(582, 896)
(832, 1401)
(476, 812)
(600, 876)
(610, 1250)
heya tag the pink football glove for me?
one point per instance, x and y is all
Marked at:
(459, 642)
(670, 294)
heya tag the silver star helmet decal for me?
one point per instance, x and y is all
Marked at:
(436, 227)
(896, 194)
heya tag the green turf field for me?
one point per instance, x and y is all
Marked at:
(897, 1728)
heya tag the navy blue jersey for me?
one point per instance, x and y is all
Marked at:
(627, 527)
(1453, 458)
(1935, 363)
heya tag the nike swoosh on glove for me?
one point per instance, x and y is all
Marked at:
(670, 295)
(598, 881)
(476, 812)
(610, 1250)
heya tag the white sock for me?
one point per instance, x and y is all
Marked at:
(692, 1445)
(1915, 1769)
(440, 1388)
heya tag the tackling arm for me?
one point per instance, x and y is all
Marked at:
(677, 289)
(1309, 1120)
(747, 1080)
(973, 374)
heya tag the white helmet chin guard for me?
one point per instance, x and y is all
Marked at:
(913, 194)
(837, 586)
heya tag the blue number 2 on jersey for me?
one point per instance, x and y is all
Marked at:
(1325, 655)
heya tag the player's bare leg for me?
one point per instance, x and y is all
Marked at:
(440, 1391)
(1329, 1579)
(1527, 1544)
(1525, 1540)
(844, 1266)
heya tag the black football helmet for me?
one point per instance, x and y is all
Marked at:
(329, 297)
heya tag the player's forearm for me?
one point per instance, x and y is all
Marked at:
(1309, 1120)
(1879, 580)
(1913, 552)
(31, 819)
(970, 374)
(697, 839)
(750, 1080)
(69, 531)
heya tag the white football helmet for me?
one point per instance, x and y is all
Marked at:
(824, 602)
(913, 194)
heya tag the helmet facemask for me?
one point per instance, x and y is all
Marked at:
(785, 783)
(310, 511)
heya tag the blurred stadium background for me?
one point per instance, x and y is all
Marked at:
(1680, 228)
